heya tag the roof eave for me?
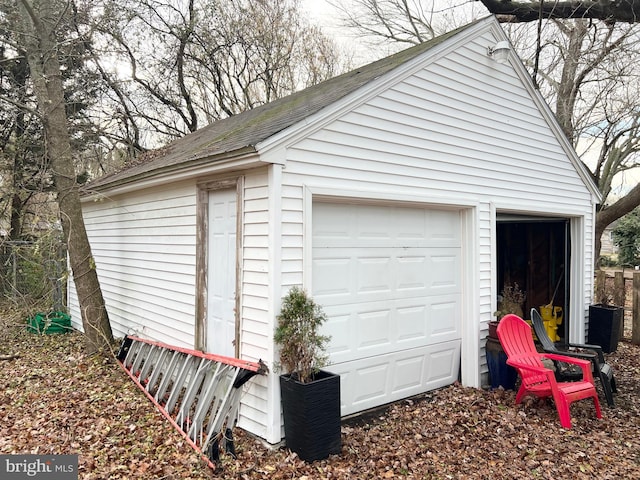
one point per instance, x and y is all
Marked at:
(241, 159)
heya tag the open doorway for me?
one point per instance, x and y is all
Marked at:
(534, 252)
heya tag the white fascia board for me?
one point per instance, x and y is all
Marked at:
(215, 166)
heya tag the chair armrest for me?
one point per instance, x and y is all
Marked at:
(572, 354)
(588, 346)
(585, 365)
(524, 365)
(597, 349)
(517, 363)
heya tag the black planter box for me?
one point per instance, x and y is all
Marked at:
(604, 326)
(500, 374)
(312, 415)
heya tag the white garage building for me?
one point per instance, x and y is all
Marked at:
(384, 192)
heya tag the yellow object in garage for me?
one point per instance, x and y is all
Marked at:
(552, 318)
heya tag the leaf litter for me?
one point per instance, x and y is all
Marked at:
(56, 400)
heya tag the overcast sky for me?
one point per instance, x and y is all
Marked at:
(326, 16)
(322, 13)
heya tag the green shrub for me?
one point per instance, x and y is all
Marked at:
(302, 348)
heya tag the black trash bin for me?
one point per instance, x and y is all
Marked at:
(604, 326)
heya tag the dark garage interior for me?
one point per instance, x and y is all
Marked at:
(534, 253)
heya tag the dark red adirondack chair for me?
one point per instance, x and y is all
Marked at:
(516, 340)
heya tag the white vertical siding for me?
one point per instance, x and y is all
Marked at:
(255, 267)
(144, 248)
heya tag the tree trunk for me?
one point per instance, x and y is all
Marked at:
(47, 80)
(570, 80)
(522, 11)
(611, 213)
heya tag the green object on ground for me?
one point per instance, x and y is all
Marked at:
(49, 323)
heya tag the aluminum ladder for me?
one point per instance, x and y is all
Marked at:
(199, 393)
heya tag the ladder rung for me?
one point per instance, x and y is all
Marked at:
(220, 410)
(205, 399)
(140, 357)
(134, 348)
(195, 385)
(150, 362)
(167, 378)
(158, 370)
(202, 390)
(180, 383)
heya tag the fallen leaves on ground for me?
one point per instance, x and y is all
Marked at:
(56, 400)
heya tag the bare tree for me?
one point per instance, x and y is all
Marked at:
(181, 64)
(22, 163)
(108, 78)
(403, 21)
(26, 178)
(38, 21)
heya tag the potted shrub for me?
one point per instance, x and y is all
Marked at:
(310, 396)
(510, 300)
(501, 374)
(604, 317)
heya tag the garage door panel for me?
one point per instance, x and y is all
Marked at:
(411, 276)
(337, 225)
(367, 275)
(411, 324)
(375, 330)
(444, 269)
(331, 280)
(444, 365)
(444, 323)
(340, 328)
(410, 372)
(368, 383)
(373, 276)
(390, 280)
(378, 328)
(357, 334)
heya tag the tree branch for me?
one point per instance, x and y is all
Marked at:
(627, 11)
(20, 105)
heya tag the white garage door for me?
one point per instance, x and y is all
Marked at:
(389, 279)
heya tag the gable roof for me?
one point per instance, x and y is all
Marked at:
(239, 134)
(238, 138)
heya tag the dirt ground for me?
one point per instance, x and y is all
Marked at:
(56, 400)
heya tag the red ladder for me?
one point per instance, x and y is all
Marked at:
(199, 393)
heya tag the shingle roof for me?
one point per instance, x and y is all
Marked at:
(241, 133)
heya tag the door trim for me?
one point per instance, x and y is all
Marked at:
(202, 256)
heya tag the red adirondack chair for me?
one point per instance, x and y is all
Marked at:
(516, 340)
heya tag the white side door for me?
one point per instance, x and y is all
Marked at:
(221, 274)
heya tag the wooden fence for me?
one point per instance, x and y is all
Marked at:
(622, 288)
